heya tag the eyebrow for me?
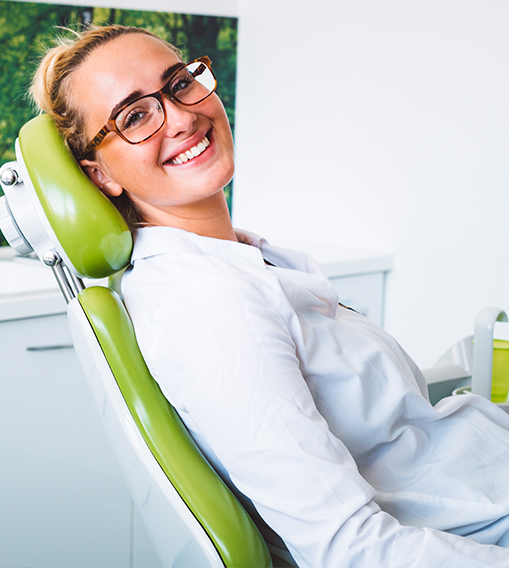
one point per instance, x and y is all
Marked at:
(167, 73)
(137, 94)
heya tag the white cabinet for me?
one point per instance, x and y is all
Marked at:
(63, 500)
(363, 292)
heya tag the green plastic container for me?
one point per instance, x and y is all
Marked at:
(500, 371)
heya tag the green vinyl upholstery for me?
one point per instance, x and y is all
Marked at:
(230, 528)
(93, 234)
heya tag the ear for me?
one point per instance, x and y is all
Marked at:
(98, 176)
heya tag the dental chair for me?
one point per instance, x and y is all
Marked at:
(51, 208)
(467, 365)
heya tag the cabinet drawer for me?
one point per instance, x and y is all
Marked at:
(63, 499)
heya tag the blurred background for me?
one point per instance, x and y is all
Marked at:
(379, 126)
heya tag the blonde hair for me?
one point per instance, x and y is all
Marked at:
(52, 92)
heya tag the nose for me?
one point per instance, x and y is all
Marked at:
(179, 118)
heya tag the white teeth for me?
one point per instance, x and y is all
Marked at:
(191, 153)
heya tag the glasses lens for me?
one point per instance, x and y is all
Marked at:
(192, 84)
(141, 119)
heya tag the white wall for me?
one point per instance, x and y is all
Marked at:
(384, 125)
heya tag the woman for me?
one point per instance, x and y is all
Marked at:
(305, 407)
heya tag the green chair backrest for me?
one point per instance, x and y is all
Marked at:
(230, 528)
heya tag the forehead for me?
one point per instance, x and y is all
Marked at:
(133, 62)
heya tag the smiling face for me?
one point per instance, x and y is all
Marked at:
(180, 172)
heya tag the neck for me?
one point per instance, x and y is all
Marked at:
(208, 218)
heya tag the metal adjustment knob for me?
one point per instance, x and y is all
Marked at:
(51, 258)
(9, 177)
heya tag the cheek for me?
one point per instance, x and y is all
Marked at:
(217, 112)
(225, 136)
(126, 163)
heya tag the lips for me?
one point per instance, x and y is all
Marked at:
(193, 152)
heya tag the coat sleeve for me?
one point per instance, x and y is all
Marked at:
(225, 356)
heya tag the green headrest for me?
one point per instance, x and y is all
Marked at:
(92, 233)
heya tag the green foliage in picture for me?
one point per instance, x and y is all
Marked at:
(27, 28)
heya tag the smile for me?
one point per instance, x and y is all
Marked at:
(191, 153)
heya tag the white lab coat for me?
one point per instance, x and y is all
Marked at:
(316, 414)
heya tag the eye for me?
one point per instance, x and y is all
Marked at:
(133, 118)
(139, 115)
(181, 83)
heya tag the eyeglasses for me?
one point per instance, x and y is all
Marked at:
(139, 120)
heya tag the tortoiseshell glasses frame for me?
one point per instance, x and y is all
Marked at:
(139, 120)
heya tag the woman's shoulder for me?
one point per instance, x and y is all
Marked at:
(169, 255)
(250, 248)
(172, 263)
